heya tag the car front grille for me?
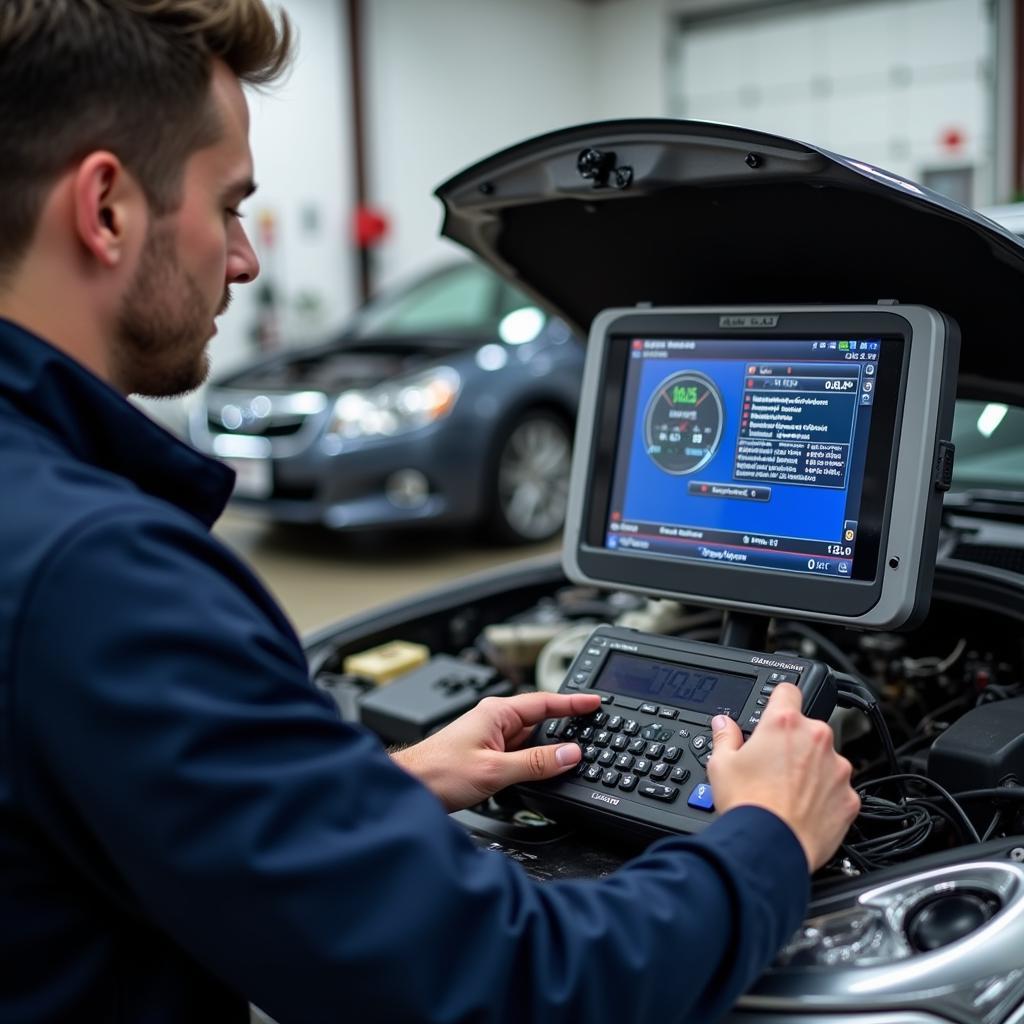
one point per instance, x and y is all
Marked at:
(283, 426)
(293, 492)
(247, 423)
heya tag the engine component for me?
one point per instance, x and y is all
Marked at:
(982, 749)
(428, 697)
(518, 644)
(388, 661)
(556, 657)
(657, 616)
(345, 690)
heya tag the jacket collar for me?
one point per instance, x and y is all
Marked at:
(99, 426)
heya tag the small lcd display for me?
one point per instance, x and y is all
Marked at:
(660, 682)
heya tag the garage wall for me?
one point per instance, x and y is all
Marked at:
(449, 82)
(298, 219)
(906, 85)
(627, 71)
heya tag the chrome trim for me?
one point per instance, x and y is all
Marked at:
(240, 446)
(259, 408)
(877, 1017)
(912, 979)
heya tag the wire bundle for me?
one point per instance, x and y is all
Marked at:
(887, 831)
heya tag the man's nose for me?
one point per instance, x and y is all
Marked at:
(243, 264)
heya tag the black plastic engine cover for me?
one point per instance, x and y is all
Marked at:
(421, 701)
(984, 748)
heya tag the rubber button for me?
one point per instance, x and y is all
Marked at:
(701, 797)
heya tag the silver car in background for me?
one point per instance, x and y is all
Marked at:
(450, 401)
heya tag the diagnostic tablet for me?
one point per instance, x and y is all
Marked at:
(775, 460)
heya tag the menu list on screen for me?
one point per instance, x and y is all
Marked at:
(747, 452)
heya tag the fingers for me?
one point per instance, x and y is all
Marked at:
(536, 763)
(786, 698)
(535, 707)
(517, 739)
(725, 733)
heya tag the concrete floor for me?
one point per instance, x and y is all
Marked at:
(320, 577)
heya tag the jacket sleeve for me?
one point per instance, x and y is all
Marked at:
(172, 747)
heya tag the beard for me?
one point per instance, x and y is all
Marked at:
(164, 325)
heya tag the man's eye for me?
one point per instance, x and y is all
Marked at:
(233, 211)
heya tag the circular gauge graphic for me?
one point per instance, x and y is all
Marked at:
(683, 422)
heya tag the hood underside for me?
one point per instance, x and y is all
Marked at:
(690, 213)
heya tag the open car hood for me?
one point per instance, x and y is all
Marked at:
(693, 213)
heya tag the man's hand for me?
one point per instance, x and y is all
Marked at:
(480, 753)
(789, 767)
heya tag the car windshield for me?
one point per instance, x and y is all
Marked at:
(989, 439)
(463, 300)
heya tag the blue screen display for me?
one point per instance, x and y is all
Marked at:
(745, 452)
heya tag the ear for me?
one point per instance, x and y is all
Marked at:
(109, 207)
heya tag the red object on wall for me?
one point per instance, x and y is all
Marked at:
(952, 139)
(371, 226)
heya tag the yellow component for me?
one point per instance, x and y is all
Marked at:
(389, 661)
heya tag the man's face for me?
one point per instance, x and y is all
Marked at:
(189, 260)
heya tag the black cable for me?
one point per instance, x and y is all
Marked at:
(993, 825)
(910, 826)
(908, 747)
(961, 816)
(914, 743)
(939, 810)
(837, 655)
(1006, 792)
(851, 692)
(851, 854)
(935, 713)
(878, 719)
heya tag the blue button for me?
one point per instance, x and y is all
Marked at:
(701, 797)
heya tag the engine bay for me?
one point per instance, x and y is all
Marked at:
(950, 692)
(921, 909)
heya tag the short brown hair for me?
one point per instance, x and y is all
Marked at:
(128, 76)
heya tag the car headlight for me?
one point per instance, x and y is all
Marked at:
(397, 406)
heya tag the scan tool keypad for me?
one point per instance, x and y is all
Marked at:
(630, 751)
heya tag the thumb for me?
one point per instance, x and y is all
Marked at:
(535, 763)
(725, 733)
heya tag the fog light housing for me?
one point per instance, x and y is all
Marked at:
(407, 489)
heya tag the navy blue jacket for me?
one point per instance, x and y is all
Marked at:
(186, 824)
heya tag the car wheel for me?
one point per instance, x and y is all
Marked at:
(530, 479)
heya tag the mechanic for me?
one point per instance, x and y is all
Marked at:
(185, 823)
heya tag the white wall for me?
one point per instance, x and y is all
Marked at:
(876, 79)
(300, 141)
(451, 81)
(630, 58)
